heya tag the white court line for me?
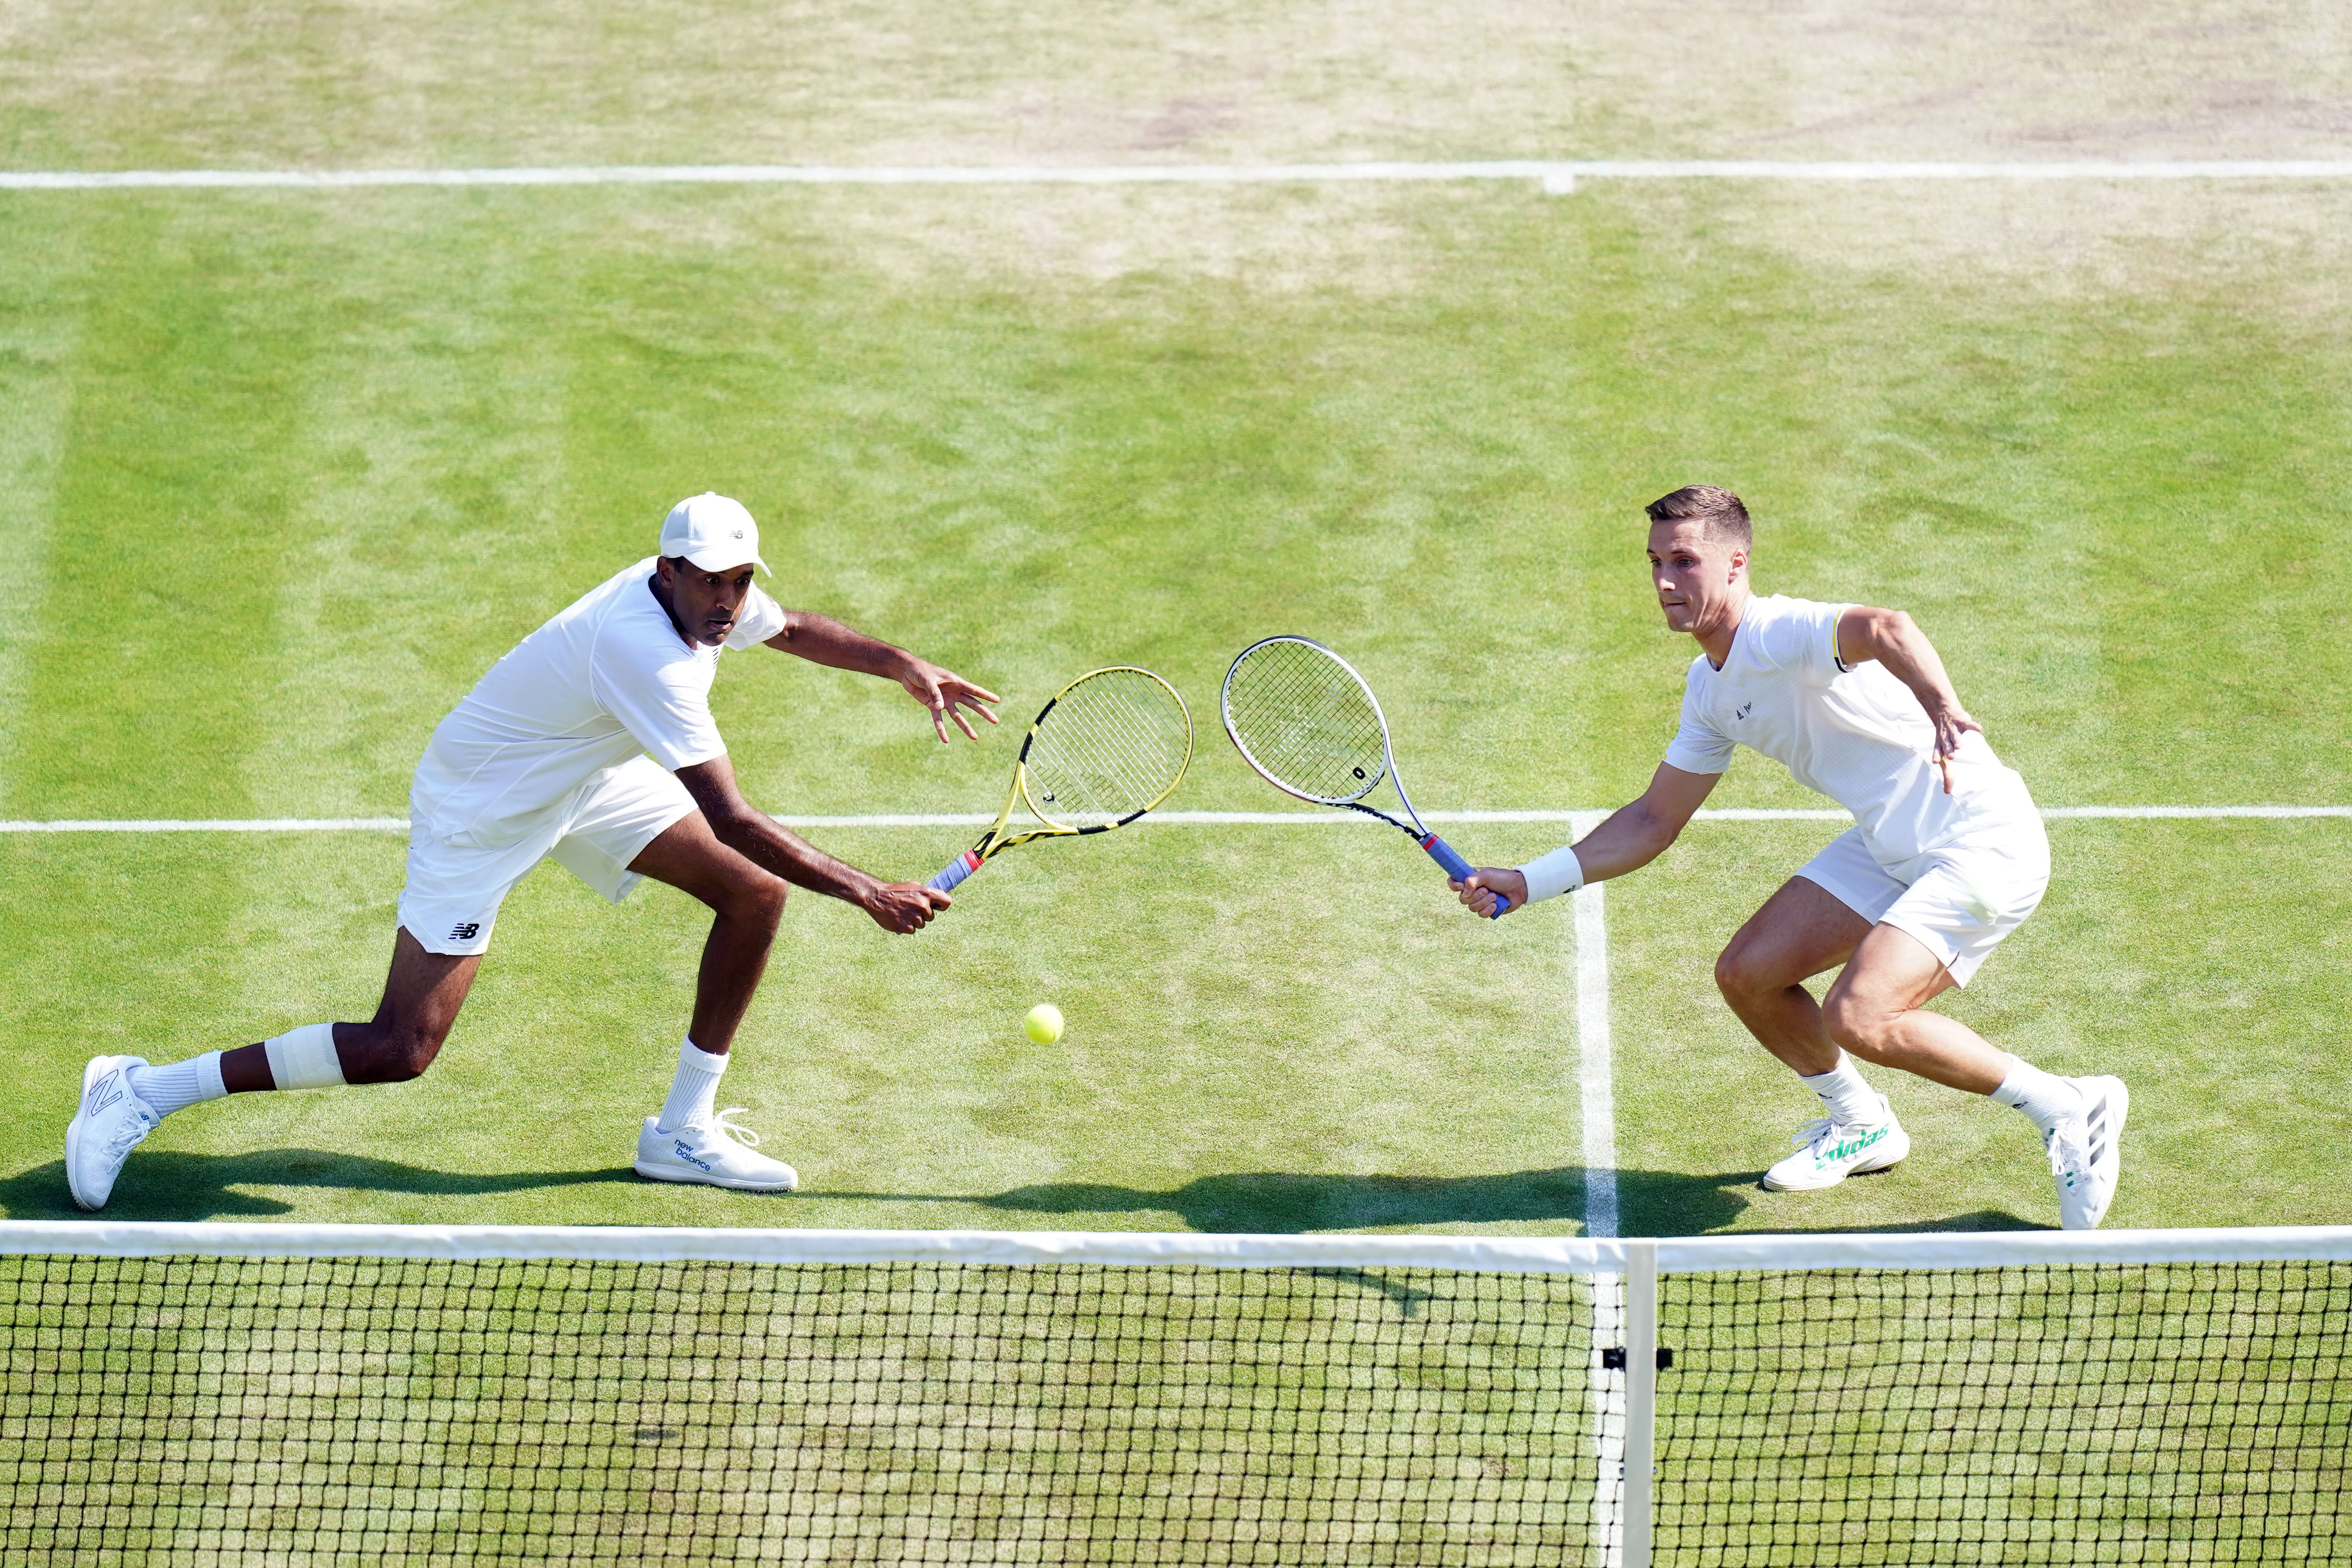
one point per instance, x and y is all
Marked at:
(1596, 1086)
(1595, 1073)
(1556, 175)
(1168, 818)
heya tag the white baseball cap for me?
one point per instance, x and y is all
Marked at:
(713, 532)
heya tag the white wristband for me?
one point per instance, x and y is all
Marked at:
(305, 1059)
(1549, 876)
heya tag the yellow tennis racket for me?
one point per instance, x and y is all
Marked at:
(1111, 745)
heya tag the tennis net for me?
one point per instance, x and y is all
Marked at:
(331, 1394)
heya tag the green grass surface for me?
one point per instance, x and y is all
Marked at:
(280, 474)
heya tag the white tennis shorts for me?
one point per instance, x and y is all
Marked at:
(1959, 900)
(453, 891)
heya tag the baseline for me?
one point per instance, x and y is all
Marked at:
(1557, 176)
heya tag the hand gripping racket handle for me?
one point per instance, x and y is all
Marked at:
(962, 866)
(1459, 869)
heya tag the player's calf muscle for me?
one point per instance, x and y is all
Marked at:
(375, 1053)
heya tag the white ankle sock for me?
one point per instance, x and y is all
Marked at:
(1844, 1093)
(181, 1084)
(2044, 1096)
(694, 1090)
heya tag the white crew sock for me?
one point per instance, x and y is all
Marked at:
(2045, 1097)
(694, 1090)
(180, 1085)
(1844, 1093)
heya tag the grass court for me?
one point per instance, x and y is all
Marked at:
(281, 473)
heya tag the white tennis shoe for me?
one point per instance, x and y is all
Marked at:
(717, 1153)
(2086, 1154)
(1828, 1151)
(110, 1122)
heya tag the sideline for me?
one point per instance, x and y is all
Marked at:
(1557, 176)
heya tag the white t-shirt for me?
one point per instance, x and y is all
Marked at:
(605, 679)
(1856, 735)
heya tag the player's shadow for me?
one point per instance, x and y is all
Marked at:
(1650, 1203)
(1274, 1202)
(166, 1184)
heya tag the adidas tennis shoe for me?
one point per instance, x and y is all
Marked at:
(717, 1153)
(2085, 1152)
(110, 1122)
(1828, 1152)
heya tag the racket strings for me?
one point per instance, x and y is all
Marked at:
(1113, 744)
(1306, 720)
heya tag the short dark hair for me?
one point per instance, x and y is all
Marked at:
(1710, 504)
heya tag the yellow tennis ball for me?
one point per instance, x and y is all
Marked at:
(1044, 1023)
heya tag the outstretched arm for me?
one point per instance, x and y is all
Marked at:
(1895, 640)
(760, 839)
(820, 639)
(1632, 837)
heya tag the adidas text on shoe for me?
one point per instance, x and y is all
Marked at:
(1829, 1152)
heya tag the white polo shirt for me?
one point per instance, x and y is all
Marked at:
(1856, 735)
(604, 680)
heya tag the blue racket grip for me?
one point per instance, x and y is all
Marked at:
(962, 866)
(1459, 869)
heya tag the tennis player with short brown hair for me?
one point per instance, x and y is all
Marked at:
(1945, 858)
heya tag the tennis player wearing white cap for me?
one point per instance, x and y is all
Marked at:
(590, 745)
(1946, 856)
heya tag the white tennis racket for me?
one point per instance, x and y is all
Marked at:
(1301, 716)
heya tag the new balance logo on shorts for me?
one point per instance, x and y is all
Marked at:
(466, 933)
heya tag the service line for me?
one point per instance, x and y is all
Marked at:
(1556, 175)
(1168, 818)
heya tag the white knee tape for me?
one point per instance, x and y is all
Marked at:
(305, 1059)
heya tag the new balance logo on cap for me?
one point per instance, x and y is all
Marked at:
(713, 531)
(466, 933)
(1743, 711)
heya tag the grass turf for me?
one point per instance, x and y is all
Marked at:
(286, 472)
(280, 474)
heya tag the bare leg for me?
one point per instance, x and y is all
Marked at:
(746, 901)
(1878, 1010)
(1801, 930)
(422, 995)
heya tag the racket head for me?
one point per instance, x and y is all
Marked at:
(1111, 745)
(1301, 716)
